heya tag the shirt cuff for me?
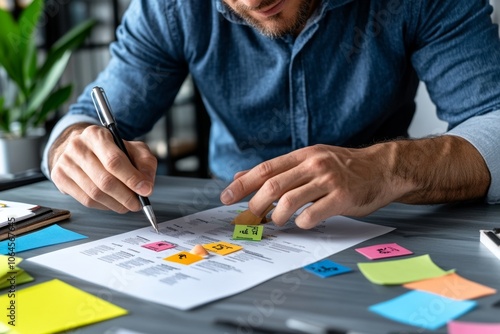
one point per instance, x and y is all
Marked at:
(482, 132)
(59, 128)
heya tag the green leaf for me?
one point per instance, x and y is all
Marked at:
(28, 22)
(9, 43)
(45, 84)
(70, 41)
(30, 65)
(52, 103)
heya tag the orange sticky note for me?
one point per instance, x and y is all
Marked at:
(222, 248)
(452, 286)
(184, 258)
(248, 218)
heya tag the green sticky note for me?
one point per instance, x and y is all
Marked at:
(402, 271)
(248, 232)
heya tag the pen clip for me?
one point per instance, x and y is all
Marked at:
(102, 106)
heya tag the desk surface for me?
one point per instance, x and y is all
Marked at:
(449, 233)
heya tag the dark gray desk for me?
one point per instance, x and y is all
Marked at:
(448, 233)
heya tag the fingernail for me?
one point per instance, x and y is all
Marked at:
(227, 196)
(143, 188)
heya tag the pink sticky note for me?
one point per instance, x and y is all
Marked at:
(462, 327)
(383, 251)
(159, 246)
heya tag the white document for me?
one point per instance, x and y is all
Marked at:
(122, 263)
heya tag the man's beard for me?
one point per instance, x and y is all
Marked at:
(282, 26)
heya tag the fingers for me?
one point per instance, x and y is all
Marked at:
(116, 163)
(98, 174)
(249, 181)
(337, 181)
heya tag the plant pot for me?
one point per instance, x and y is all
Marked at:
(20, 154)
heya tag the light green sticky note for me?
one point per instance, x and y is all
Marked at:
(248, 232)
(401, 271)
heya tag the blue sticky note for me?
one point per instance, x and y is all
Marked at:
(51, 235)
(326, 268)
(423, 309)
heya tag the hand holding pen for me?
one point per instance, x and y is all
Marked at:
(107, 119)
(86, 164)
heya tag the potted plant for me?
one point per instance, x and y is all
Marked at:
(29, 91)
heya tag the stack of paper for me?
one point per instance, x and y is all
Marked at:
(17, 218)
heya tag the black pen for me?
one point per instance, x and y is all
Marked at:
(103, 109)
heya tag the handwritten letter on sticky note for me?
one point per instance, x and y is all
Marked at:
(184, 258)
(159, 246)
(383, 251)
(326, 268)
(248, 232)
(222, 247)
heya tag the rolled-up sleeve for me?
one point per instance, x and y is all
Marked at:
(457, 54)
(483, 133)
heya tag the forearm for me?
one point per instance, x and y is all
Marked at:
(436, 170)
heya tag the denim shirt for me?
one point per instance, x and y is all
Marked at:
(348, 79)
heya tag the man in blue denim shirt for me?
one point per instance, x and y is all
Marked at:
(310, 101)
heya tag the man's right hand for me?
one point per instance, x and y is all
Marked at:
(85, 163)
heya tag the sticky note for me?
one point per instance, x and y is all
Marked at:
(401, 271)
(19, 277)
(383, 251)
(326, 268)
(248, 232)
(462, 327)
(452, 286)
(423, 309)
(8, 264)
(159, 246)
(10, 273)
(51, 235)
(222, 248)
(35, 307)
(184, 258)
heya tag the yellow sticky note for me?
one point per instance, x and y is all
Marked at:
(10, 274)
(184, 258)
(401, 271)
(452, 286)
(19, 277)
(222, 248)
(8, 263)
(54, 306)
